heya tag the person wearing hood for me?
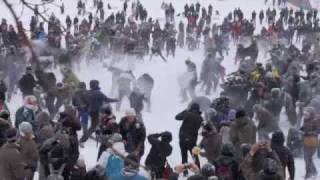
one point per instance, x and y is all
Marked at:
(311, 129)
(242, 131)
(133, 132)
(27, 82)
(28, 149)
(226, 164)
(211, 142)
(255, 160)
(27, 112)
(286, 157)
(270, 171)
(11, 162)
(160, 150)
(188, 134)
(45, 127)
(95, 100)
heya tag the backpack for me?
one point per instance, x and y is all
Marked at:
(56, 174)
(114, 166)
(224, 172)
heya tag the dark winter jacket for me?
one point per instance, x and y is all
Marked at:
(12, 166)
(97, 98)
(191, 122)
(134, 134)
(29, 153)
(286, 157)
(27, 83)
(159, 152)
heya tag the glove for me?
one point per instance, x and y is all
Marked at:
(196, 150)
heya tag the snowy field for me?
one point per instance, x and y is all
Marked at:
(165, 98)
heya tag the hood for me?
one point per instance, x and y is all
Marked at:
(94, 85)
(227, 150)
(277, 138)
(43, 119)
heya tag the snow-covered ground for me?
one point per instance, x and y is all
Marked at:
(165, 98)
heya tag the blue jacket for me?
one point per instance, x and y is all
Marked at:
(128, 174)
(97, 99)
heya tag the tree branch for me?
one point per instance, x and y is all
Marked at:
(21, 31)
(28, 5)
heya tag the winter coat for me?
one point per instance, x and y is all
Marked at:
(71, 80)
(29, 153)
(251, 165)
(12, 166)
(134, 134)
(130, 174)
(96, 99)
(243, 131)
(27, 83)
(211, 143)
(285, 155)
(159, 152)
(80, 99)
(25, 114)
(266, 120)
(45, 129)
(191, 122)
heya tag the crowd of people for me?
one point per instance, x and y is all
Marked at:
(236, 136)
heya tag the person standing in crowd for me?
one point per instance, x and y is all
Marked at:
(243, 131)
(310, 128)
(11, 161)
(27, 82)
(28, 149)
(133, 132)
(27, 112)
(188, 134)
(160, 150)
(286, 157)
